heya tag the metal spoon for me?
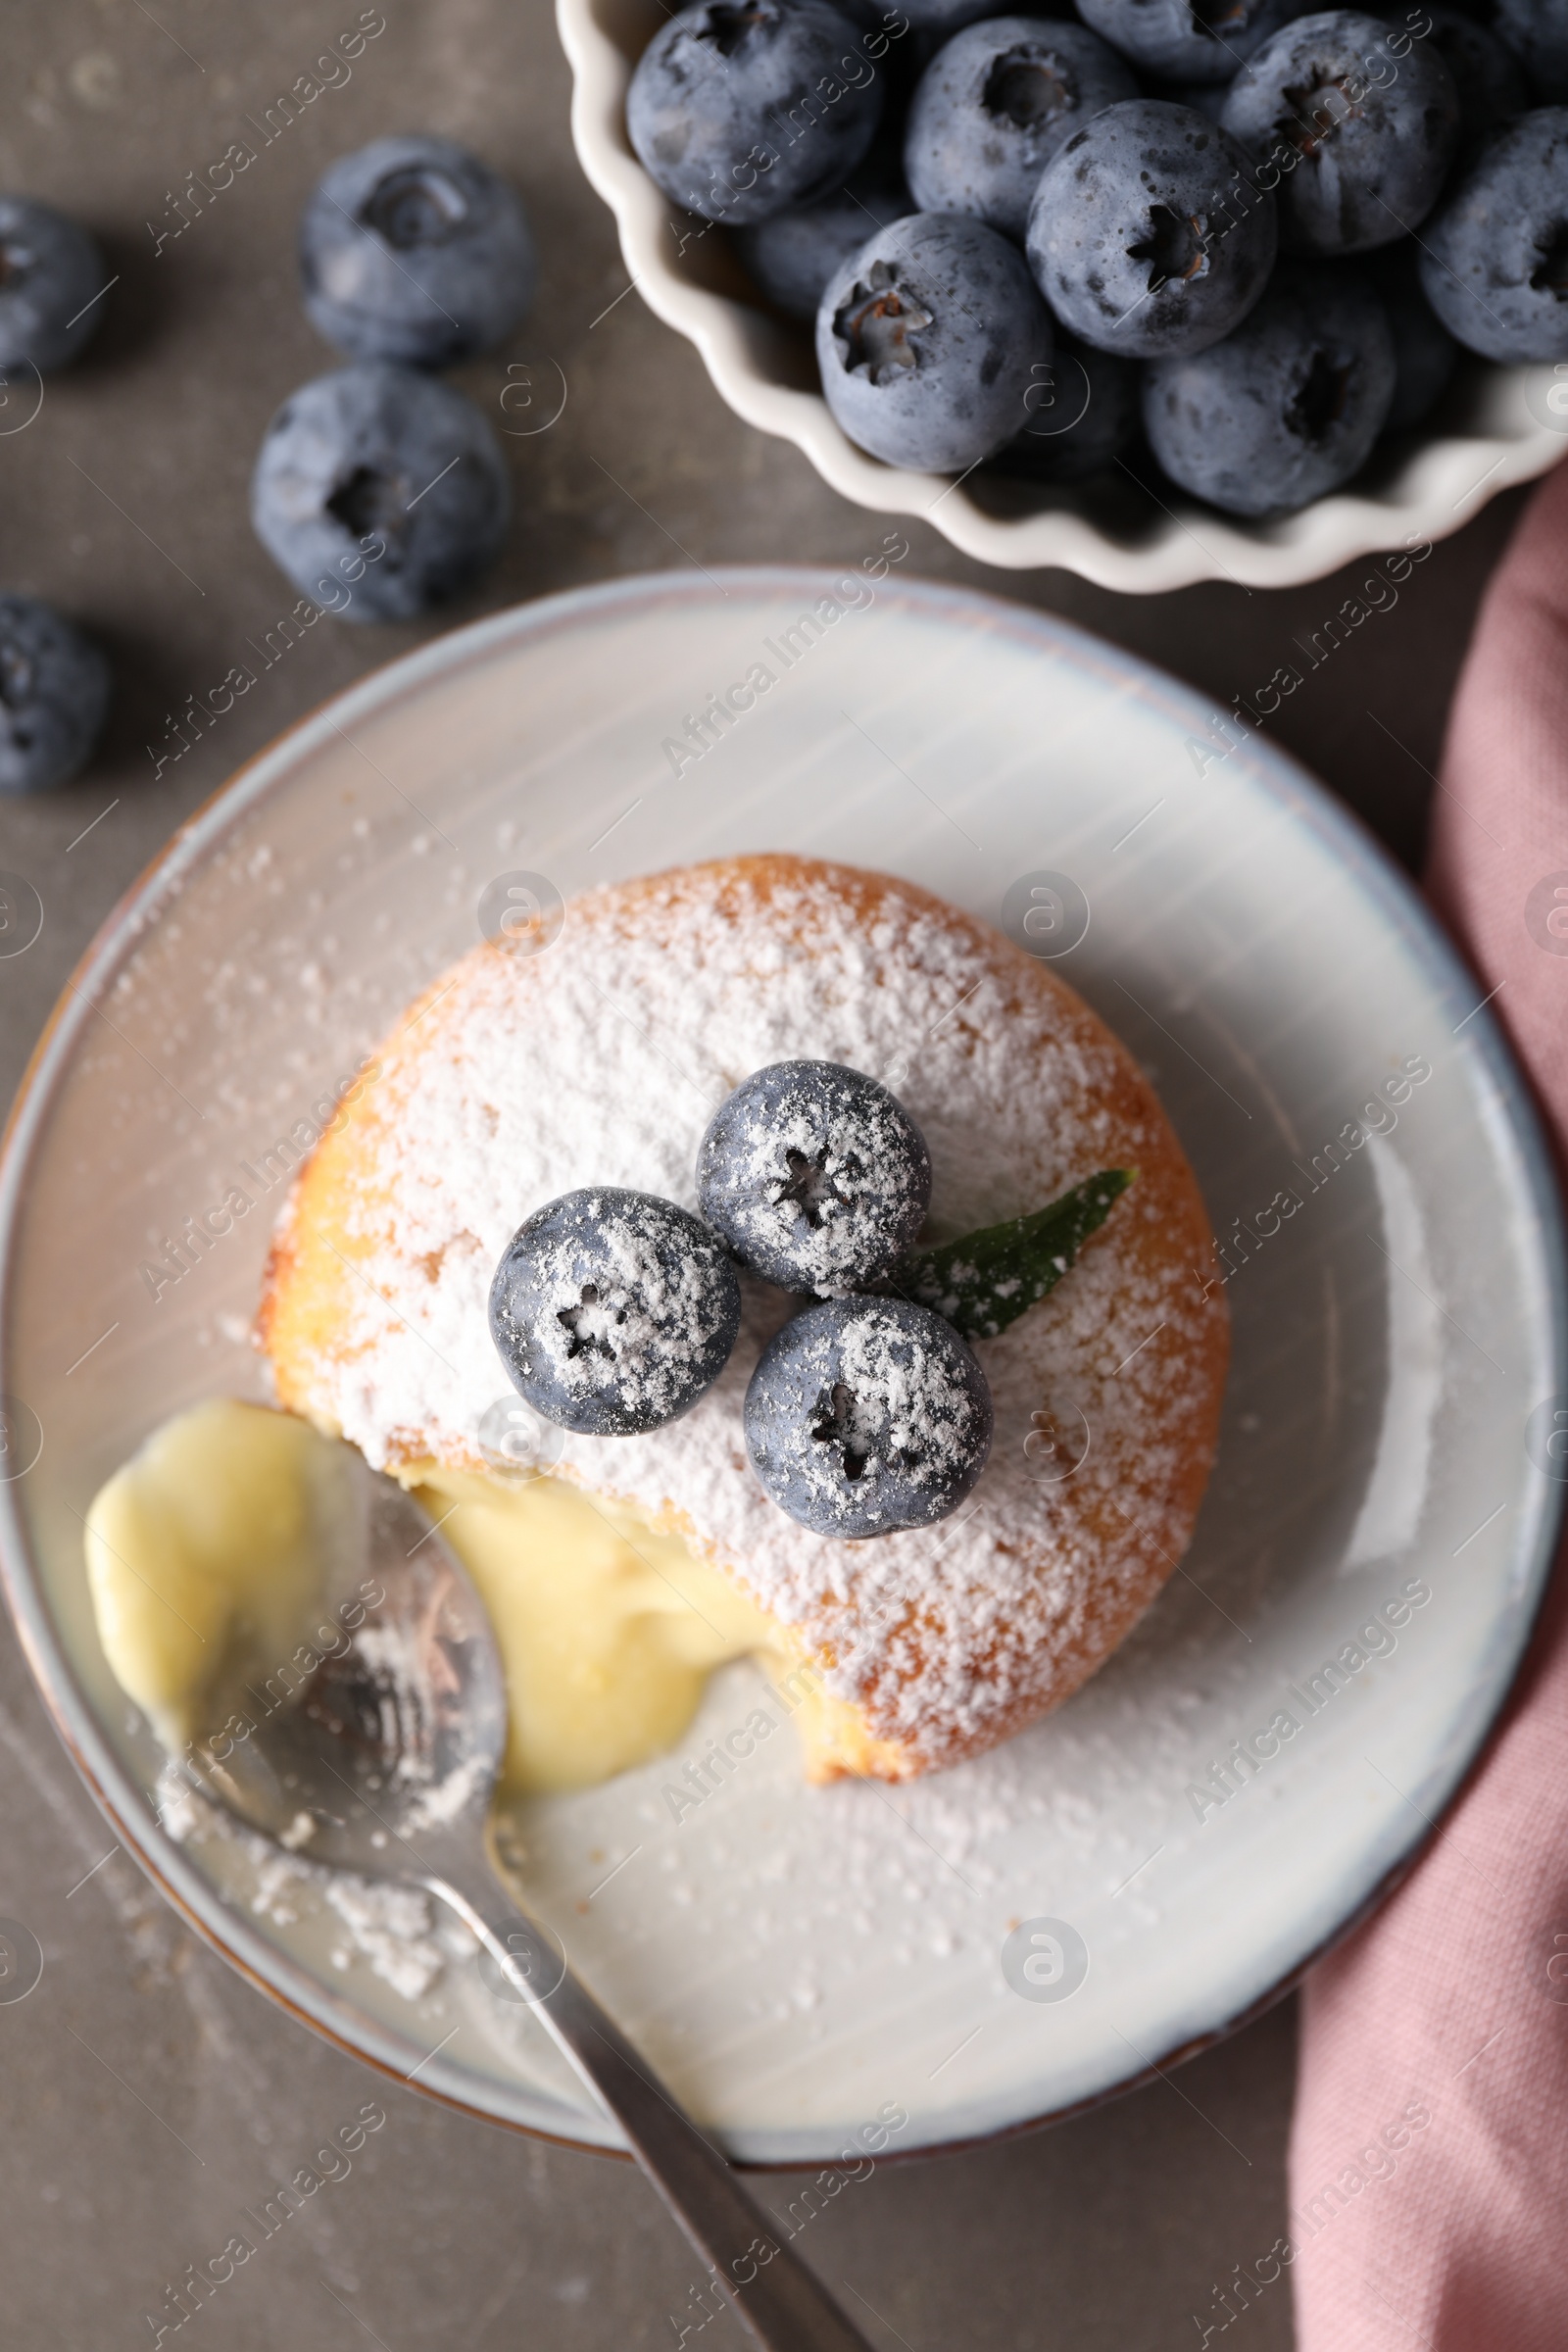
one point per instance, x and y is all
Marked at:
(384, 1764)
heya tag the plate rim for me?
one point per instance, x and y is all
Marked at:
(1273, 770)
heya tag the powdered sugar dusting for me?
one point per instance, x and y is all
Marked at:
(602, 1062)
(389, 1923)
(918, 1402)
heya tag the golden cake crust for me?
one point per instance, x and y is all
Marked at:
(517, 1077)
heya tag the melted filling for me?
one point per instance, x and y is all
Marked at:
(212, 1554)
(209, 1560)
(608, 1631)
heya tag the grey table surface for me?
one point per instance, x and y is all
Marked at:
(148, 2092)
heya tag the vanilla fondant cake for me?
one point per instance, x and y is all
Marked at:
(601, 1062)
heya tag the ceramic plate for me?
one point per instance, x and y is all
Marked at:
(1002, 1942)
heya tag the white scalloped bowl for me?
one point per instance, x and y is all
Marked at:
(1417, 488)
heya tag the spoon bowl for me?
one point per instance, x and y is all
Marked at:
(397, 1736)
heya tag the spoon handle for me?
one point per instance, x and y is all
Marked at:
(778, 2299)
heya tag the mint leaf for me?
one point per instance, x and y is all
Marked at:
(984, 1282)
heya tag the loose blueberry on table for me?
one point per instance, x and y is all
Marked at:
(868, 1415)
(52, 276)
(614, 1311)
(53, 693)
(412, 249)
(379, 492)
(815, 1175)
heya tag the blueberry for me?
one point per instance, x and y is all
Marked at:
(815, 1175)
(614, 1311)
(1286, 408)
(1147, 235)
(1082, 413)
(791, 256)
(1360, 140)
(868, 1415)
(927, 341)
(1494, 258)
(1537, 32)
(413, 250)
(1189, 40)
(54, 692)
(379, 492)
(50, 271)
(1488, 78)
(741, 107)
(993, 106)
(1424, 350)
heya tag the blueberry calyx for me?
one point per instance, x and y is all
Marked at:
(1551, 274)
(1027, 92)
(839, 1423)
(810, 1186)
(16, 672)
(370, 500)
(1316, 109)
(1216, 18)
(415, 206)
(1321, 400)
(877, 323)
(1176, 246)
(724, 26)
(590, 1324)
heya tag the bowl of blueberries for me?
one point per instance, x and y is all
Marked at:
(1155, 290)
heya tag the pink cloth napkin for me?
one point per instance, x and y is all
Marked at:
(1429, 2156)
